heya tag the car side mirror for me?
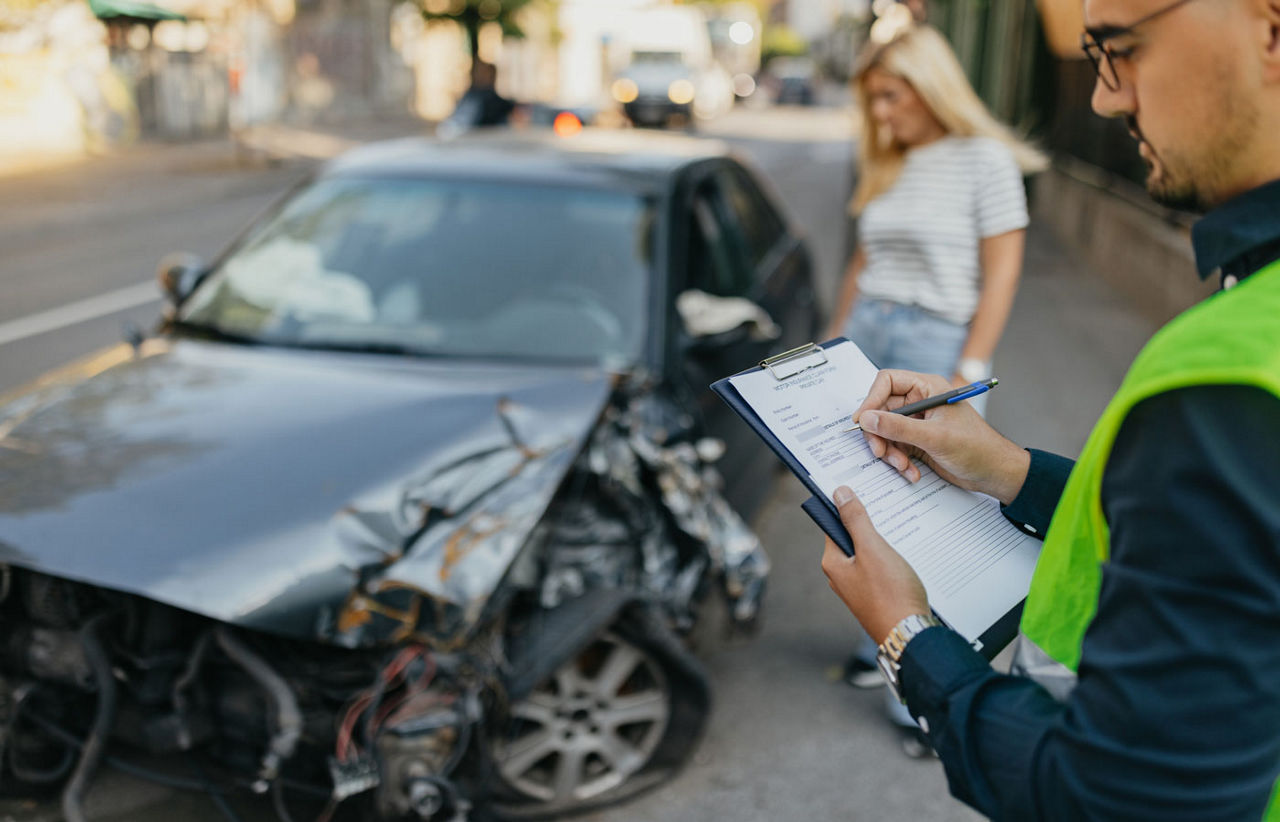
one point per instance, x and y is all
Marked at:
(712, 322)
(178, 274)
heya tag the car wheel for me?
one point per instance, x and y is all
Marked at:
(615, 720)
(590, 728)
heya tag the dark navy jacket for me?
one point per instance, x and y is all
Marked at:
(1176, 714)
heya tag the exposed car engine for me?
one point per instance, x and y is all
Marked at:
(568, 689)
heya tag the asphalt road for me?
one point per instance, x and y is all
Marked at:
(786, 740)
(81, 243)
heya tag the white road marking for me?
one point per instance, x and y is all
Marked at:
(80, 311)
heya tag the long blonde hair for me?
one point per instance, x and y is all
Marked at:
(921, 56)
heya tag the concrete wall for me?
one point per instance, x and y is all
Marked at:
(1142, 250)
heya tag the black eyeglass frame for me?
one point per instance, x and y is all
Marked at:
(1094, 44)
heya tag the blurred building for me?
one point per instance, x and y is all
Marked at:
(572, 51)
(60, 92)
(831, 30)
(601, 37)
(90, 75)
(814, 19)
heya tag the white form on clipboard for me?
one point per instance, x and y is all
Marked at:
(975, 565)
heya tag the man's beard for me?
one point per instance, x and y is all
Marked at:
(1164, 183)
(1168, 191)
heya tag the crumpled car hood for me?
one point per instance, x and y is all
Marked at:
(348, 498)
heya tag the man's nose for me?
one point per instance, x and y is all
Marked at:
(1108, 102)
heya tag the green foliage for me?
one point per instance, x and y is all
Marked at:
(473, 14)
(761, 6)
(781, 41)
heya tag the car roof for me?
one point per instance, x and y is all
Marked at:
(596, 158)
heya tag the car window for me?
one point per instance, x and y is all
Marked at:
(442, 267)
(753, 219)
(715, 263)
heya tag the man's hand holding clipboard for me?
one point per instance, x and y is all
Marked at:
(974, 564)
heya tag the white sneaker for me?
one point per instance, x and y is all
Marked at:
(862, 674)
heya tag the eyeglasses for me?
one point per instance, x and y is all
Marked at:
(1095, 48)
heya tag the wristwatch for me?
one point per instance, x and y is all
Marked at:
(895, 643)
(972, 369)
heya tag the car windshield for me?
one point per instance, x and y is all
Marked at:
(443, 268)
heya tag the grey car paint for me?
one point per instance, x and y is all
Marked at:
(344, 497)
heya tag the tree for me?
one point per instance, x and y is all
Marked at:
(761, 6)
(472, 15)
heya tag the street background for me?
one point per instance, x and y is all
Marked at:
(786, 738)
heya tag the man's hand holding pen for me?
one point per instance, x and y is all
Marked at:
(953, 439)
(877, 584)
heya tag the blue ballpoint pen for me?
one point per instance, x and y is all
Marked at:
(955, 395)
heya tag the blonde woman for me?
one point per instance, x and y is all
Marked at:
(941, 214)
(942, 217)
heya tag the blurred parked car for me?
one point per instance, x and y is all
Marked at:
(563, 119)
(405, 508)
(794, 80)
(656, 88)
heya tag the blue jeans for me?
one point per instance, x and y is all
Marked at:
(893, 335)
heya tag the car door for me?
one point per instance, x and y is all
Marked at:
(733, 249)
(782, 270)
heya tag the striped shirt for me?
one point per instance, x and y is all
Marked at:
(921, 236)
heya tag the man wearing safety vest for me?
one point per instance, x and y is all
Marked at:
(1146, 677)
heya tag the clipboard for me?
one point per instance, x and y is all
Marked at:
(818, 506)
(785, 366)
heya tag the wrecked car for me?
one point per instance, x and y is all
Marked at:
(406, 506)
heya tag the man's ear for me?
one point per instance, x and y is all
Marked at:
(1268, 27)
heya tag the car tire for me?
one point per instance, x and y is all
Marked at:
(562, 749)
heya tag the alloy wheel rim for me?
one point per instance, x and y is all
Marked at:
(593, 725)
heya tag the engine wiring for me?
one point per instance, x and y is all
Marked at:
(400, 682)
(367, 703)
(19, 769)
(202, 785)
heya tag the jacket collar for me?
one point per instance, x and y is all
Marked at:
(1240, 236)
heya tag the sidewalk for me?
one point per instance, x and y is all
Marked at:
(261, 143)
(52, 192)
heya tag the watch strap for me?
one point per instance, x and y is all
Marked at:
(902, 633)
(890, 651)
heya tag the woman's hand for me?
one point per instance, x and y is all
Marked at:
(954, 440)
(835, 326)
(877, 585)
(848, 294)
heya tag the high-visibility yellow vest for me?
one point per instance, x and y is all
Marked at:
(1231, 338)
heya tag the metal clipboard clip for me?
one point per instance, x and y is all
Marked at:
(789, 363)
